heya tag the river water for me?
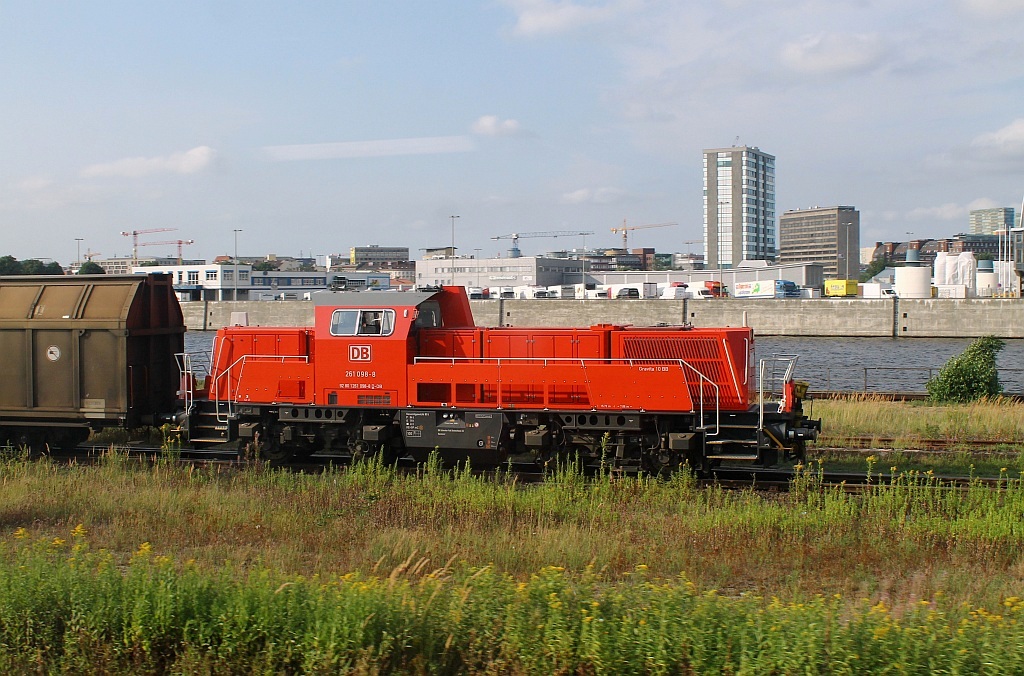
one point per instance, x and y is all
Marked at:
(875, 364)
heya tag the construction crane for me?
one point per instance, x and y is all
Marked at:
(626, 228)
(692, 241)
(90, 254)
(134, 234)
(179, 242)
(514, 251)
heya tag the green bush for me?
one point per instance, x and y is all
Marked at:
(969, 376)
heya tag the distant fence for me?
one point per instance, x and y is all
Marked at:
(911, 378)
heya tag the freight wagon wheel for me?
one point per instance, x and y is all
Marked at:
(35, 441)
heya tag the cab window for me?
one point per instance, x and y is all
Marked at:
(428, 315)
(362, 322)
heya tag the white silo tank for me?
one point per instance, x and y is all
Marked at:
(987, 280)
(939, 276)
(913, 282)
(967, 268)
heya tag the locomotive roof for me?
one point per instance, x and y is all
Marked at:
(371, 298)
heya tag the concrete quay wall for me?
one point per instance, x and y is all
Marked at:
(928, 318)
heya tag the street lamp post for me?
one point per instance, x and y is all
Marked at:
(477, 261)
(583, 267)
(78, 259)
(234, 279)
(453, 250)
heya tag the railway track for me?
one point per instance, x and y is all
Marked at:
(771, 479)
(874, 443)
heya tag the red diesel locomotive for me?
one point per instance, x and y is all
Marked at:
(408, 373)
(391, 373)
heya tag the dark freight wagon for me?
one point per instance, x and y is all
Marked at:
(85, 352)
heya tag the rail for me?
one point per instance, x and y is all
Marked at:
(700, 383)
(225, 413)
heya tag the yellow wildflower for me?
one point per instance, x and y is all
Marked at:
(21, 533)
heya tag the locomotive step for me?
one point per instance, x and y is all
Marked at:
(208, 440)
(733, 442)
(729, 456)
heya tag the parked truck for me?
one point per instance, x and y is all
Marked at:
(840, 288)
(769, 288)
(716, 289)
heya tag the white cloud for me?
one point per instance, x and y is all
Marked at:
(832, 53)
(982, 203)
(1007, 142)
(491, 125)
(384, 148)
(604, 195)
(188, 162)
(993, 8)
(34, 184)
(943, 212)
(549, 17)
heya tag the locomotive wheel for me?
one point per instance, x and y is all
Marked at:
(798, 452)
(306, 448)
(273, 452)
(359, 449)
(661, 462)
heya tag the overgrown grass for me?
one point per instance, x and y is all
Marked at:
(910, 422)
(128, 566)
(66, 607)
(900, 541)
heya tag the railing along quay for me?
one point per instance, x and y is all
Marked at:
(879, 379)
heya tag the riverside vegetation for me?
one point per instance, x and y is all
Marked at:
(127, 566)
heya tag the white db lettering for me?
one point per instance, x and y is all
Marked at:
(359, 353)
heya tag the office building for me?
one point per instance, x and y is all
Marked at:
(378, 255)
(739, 206)
(826, 235)
(988, 221)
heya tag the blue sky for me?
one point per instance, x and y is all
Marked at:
(316, 126)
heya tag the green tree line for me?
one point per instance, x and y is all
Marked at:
(9, 265)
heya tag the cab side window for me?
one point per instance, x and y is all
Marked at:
(344, 322)
(363, 322)
(428, 315)
(369, 323)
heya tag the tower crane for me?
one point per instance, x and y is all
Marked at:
(626, 228)
(134, 234)
(179, 242)
(514, 251)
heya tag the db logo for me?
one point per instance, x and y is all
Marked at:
(359, 353)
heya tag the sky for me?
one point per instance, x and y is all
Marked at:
(311, 127)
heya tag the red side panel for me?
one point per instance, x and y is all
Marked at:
(604, 368)
(714, 362)
(263, 365)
